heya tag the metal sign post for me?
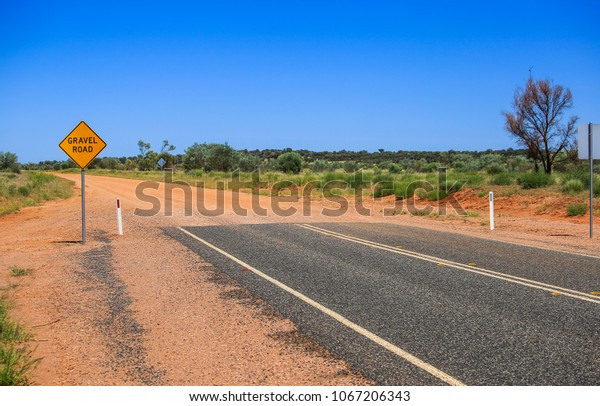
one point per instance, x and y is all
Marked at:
(588, 149)
(83, 206)
(82, 145)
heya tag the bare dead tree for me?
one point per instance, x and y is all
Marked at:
(538, 121)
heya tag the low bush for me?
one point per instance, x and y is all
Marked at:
(580, 175)
(350, 166)
(495, 168)
(502, 179)
(572, 186)
(576, 209)
(24, 190)
(535, 180)
(395, 169)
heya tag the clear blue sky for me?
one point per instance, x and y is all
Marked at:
(323, 75)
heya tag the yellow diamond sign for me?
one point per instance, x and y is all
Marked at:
(82, 145)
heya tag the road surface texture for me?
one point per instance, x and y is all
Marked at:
(455, 309)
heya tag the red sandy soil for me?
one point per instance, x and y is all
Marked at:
(141, 309)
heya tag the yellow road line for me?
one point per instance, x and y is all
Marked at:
(360, 330)
(473, 269)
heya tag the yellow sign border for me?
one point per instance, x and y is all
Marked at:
(93, 157)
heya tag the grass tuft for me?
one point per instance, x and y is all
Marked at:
(19, 271)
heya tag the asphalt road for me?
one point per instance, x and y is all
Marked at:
(408, 306)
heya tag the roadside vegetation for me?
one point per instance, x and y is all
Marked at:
(576, 209)
(506, 174)
(16, 359)
(14, 271)
(30, 188)
(431, 175)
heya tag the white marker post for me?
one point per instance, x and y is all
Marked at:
(591, 157)
(491, 210)
(119, 219)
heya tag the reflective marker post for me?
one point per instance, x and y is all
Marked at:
(491, 210)
(591, 156)
(119, 218)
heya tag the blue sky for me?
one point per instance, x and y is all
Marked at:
(324, 75)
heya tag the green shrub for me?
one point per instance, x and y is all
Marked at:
(320, 165)
(580, 175)
(576, 209)
(502, 179)
(395, 168)
(573, 186)
(495, 168)
(24, 191)
(290, 162)
(535, 180)
(350, 166)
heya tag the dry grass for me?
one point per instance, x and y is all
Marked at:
(30, 189)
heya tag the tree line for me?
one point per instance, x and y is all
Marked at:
(221, 157)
